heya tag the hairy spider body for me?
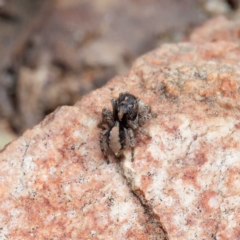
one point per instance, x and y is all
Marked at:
(120, 126)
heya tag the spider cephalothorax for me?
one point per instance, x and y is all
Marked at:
(125, 107)
(120, 126)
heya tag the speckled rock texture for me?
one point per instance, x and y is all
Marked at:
(54, 184)
(218, 28)
(184, 183)
(189, 172)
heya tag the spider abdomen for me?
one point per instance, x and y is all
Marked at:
(114, 140)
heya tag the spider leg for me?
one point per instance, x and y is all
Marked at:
(134, 126)
(145, 114)
(103, 143)
(132, 142)
(124, 138)
(114, 102)
(107, 119)
(144, 132)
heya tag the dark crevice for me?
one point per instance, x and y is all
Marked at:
(162, 234)
(150, 212)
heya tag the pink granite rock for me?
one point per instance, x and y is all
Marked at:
(55, 183)
(189, 172)
(219, 28)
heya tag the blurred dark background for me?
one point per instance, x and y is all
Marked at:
(54, 52)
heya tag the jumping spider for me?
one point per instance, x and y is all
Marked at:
(120, 126)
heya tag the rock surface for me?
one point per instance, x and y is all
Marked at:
(54, 184)
(184, 183)
(189, 172)
(219, 28)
